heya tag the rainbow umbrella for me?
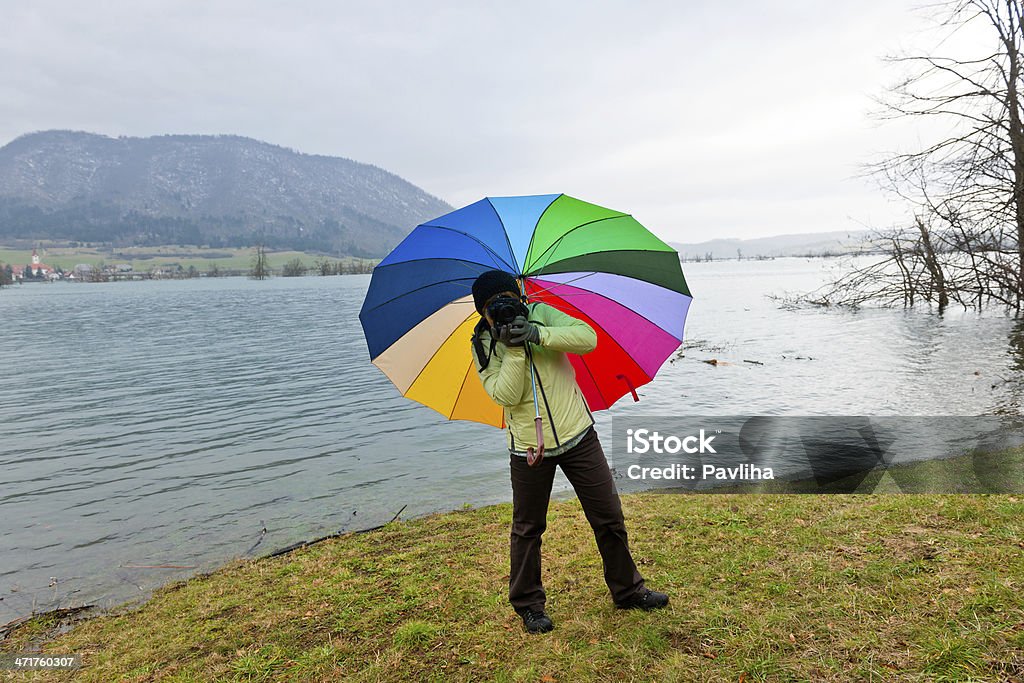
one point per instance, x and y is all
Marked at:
(593, 263)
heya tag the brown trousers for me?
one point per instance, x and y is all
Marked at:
(586, 468)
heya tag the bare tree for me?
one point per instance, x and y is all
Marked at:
(966, 190)
(324, 266)
(260, 265)
(294, 268)
(99, 273)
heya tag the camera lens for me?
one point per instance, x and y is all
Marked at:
(504, 310)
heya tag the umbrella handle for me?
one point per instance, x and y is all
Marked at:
(534, 457)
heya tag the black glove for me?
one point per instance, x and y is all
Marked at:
(523, 331)
(503, 333)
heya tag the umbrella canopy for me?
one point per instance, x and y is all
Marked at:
(593, 263)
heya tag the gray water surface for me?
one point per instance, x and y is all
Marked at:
(170, 422)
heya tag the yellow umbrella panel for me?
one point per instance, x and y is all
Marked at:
(432, 364)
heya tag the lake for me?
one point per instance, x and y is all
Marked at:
(171, 422)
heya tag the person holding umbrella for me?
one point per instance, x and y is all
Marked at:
(520, 354)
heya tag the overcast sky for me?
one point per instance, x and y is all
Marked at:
(702, 119)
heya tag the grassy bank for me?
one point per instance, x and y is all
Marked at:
(765, 587)
(147, 258)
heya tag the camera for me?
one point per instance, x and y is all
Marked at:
(504, 309)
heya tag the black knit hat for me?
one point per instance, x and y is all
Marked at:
(490, 283)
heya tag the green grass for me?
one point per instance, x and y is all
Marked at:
(763, 587)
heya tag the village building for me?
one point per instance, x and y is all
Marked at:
(81, 271)
(37, 269)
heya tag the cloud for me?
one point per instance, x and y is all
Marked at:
(725, 119)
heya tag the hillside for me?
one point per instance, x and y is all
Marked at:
(221, 191)
(811, 244)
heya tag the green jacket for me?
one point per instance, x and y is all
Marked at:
(506, 379)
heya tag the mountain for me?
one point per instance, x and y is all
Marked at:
(811, 244)
(221, 191)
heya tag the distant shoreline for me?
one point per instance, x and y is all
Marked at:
(102, 263)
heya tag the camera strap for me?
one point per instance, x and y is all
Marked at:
(478, 346)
